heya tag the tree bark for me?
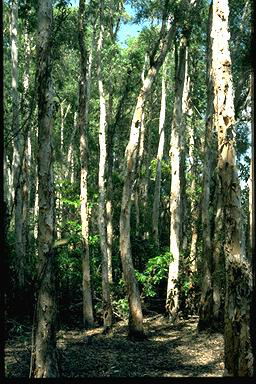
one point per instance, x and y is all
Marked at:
(175, 195)
(135, 316)
(206, 299)
(88, 319)
(160, 151)
(237, 356)
(44, 361)
(17, 147)
(194, 203)
(107, 310)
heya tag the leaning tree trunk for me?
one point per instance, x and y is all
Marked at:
(140, 155)
(88, 319)
(160, 151)
(107, 310)
(175, 195)
(135, 316)
(17, 147)
(44, 354)
(237, 357)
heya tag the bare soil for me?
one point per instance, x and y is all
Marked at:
(171, 350)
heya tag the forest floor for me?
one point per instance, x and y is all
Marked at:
(171, 350)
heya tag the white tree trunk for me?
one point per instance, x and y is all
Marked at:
(107, 311)
(160, 152)
(237, 356)
(87, 297)
(135, 318)
(175, 195)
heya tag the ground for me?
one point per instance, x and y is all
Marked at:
(171, 350)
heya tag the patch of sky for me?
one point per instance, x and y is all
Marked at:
(127, 29)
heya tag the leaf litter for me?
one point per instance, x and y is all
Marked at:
(170, 350)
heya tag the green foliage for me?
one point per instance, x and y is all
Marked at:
(165, 170)
(121, 306)
(156, 271)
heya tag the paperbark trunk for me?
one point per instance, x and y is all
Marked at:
(17, 147)
(175, 195)
(44, 361)
(237, 354)
(107, 310)
(135, 316)
(160, 151)
(88, 319)
(206, 299)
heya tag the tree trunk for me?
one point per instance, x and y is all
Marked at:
(194, 203)
(44, 362)
(17, 146)
(135, 317)
(206, 299)
(27, 144)
(237, 357)
(115, 6)
(160, 151)
(107, 311)
(175, 195)
(140, 155)
(88, 319)
(60, 223)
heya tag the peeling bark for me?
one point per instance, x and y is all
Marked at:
(88, 319)
(17, 147)
(238, 355)
(44, 362)
(107, 310)
(175, 195)
(206, 299)
(135, 315)
(160, 151)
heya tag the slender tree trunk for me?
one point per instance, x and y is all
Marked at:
(252, 239)
(194, 203)
(87, 297)
(140, 156)
(107, 311)
(206, 299)
(160, 152)
(27, 144)
(135, 317)
(237, 356)
(115, 6)
(17, 146)
(70, 156)
(175, 195)
(44, 362)
(63, 115)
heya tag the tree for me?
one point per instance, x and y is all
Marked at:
(206, 300)
(107, 311)
(238, 361)
(135, 312)
(177, 138)
(44, 361)
(83, 129)
(17, 145)
(160, 151)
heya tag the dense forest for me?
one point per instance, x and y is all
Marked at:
(128, 179)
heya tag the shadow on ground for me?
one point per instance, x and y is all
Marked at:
(171, 350)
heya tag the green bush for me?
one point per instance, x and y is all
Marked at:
(156, 271)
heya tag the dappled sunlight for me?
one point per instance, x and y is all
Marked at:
(171, 350)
